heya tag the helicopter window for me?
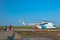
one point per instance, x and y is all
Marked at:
(45, 23)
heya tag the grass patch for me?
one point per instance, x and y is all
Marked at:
(17, 27)
(22, 27)
(1, 27)
(27, 27)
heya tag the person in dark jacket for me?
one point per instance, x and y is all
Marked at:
(5, 28)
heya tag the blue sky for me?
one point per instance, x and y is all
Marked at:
(11, 11)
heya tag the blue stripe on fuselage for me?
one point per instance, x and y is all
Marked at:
(43, 26)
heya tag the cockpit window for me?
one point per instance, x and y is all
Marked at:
(45, 23)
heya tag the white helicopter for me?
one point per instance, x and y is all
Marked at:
(42, 25)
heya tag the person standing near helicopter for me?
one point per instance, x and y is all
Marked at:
(10, 28)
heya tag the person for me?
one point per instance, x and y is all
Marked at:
(5, 28)
(10, 28)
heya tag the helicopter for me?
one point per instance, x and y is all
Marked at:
(41, 25)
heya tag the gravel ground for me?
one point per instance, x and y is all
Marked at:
(9, 35)
(54, 34)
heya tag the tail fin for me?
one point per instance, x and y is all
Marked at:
(22, 21)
